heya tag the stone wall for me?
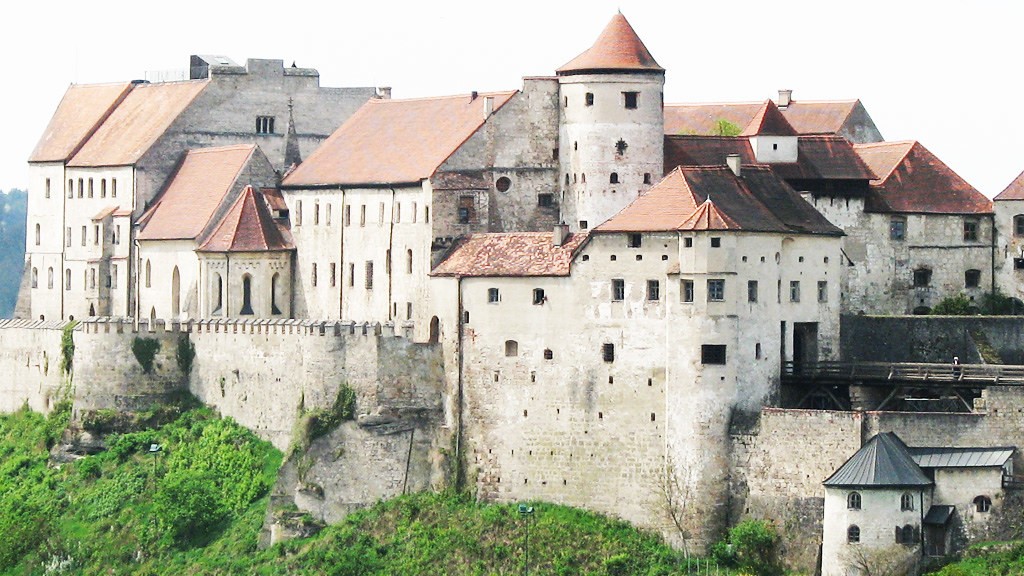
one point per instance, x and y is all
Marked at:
(931, 338)
(30, 363)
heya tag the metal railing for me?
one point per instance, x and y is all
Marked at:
(924, 374)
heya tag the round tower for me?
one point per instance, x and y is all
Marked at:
(611, 130)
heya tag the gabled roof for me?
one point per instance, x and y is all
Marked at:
(913, 180)
(760, 201)
(1015, 191)
(768, 121)
(510, 254)
(197, 189)
(247, 227)
(883, 461)
(136, 123)
(617, 49)
(818, 157)
(961, 457)
(806, 117)
(83, 108)
(394, 141)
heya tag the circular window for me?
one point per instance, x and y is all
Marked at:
(503, 184)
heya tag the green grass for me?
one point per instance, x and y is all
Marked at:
(999, 559)
(200, 510)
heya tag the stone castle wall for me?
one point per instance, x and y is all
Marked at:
(30, 363)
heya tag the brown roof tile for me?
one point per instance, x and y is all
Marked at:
(709, 217)
(203, 179)
(83, 108)
(819, 117)
(805, 117)
(247, 227)
(618, 48)
(394, 141)
(1015, 191)
(142, 117)
(768, 121)
(913, 180)
(818, 157)
(510, 254)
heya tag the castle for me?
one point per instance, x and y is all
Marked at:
(603, 287)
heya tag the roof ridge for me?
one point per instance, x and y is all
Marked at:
(468, 95)
(215, 149)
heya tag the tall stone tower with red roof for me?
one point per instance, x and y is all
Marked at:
(611, 144)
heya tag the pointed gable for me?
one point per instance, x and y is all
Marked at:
(883, 462)
(617, 49)
(82, 110)
(395, 141)
(1015, 191)
(768, 121)
(709, 217)
(247, 227)
(511, 254)
(661, 208)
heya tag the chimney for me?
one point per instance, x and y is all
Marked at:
(733, 161)
(785, 98)
(559, 234)
(384, 92)
(488, 106)
(473, 95)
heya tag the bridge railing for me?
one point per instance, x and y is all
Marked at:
(968, 374)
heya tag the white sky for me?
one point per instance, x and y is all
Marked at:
(942, 72)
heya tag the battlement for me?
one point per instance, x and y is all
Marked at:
(121, 325)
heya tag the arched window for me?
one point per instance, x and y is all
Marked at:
(408, 261)
(175, 293)
(614, 179)
(35, 278)
(907, 535)
(49, 278)
(853, 501)
(906, 501)
(982, 503)
(511, 348)
(246, 296)
(149, 274)
(853, 534)
(435, 330)
(38, 234)
(275, 282)
(218, 295)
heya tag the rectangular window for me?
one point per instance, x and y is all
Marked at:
(316, 213)
(687, 242)
(630, 99)
(328, 213)
(922, 277)
(822, 291)
(352, 274)
(1018, 222)
(794, 291)
(653, 290)
(113, 187)
(414, 209)
(312, 275)
(686, 290)
(493, 296)
(634, 240)
(96, 234)
(264, 124)
(898, 228)
(538, 296)
(716, 290)
(716, 242)
(970, 230)
(362, 215)
(348, 215)
(47, 187)
(83, 235)
(712, 354)
(90, 188)
(751, 290)
(71, 188)
(81, 187)
(298, 212)
(466, 209)
(369, 275)
(103, 188)
(618, 289)
(67, 236)
(380, 214)
(608, 352)
(545, 200)
(113, 275)
(334, 274)
(972, 278)
(589, 99)
(398, 212)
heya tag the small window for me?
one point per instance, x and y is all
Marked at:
(312, 275)
(398, 213)
(298, 212)
(264, 124)
(583, 224)
(415, 207)
(712, 354)
(408, 261)
(716, 290)
(103, 188)
(687, 242)
(49, 278)
(71, 188)
(545, 200)
(589, 99)
(369, 275)
(686, 290)
(618, 289)
(380, 214)
(614, 178)
(503, 184)
(853, 501)
(972, 278)
(906, 502)
(647, 177)
(630, 100)
(716, 242)
(1018, 263)
(905, 535)
(822, 291)
(493, 296)
(1018, 223)
(90, 188)
(334, 274)
(362, 215)
(653, 290)
(511, 348)
(81, 187)
(751, 290)
(352, 274)
(316, 213)
(539, 297)
(67, 279)
(898, 228)
(35, 278)
(48, 187)
(38, 234)
(466, 210)
(608, 352)
(982, 504)
(113, 187)
(853, 534)
(970, 230)
(67, 236)
(348, 215)
(922, 277)
(548, 354)
(634, 240)
(408, 310)
(794, 291)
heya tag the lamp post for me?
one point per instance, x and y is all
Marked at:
(526, 512)
(154, 450)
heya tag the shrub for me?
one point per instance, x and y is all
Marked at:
(185, 354)
(188, 507)
(958, 305)
(67, 348)
(752, 546)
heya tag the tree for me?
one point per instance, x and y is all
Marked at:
(889, 561)
(725, 128)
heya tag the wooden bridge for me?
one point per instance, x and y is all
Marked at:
(956, 385)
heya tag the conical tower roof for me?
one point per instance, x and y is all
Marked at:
(883, 462)
(617, 49)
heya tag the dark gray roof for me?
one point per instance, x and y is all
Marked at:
(938, 515)
(961, 457)
(882, 461)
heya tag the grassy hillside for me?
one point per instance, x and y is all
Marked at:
(1004, 559)
(198, 506)
(13, 206)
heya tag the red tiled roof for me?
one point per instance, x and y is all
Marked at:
(197, 189)
(247, 227)
(1015, 191)
(618, 48)
(805, 117)
(768, 121)
(819, 117)
(818, 157)
(83, 108)
(913, 180)
(142, 117)
(713, 198)
(511, 254)
(394, 141)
